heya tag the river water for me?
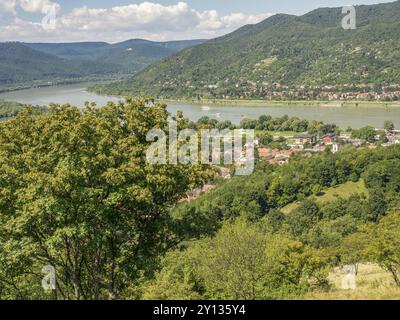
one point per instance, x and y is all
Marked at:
(346, 116)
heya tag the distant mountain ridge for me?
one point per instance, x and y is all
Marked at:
(284, 56)
(132, 55)
(19, 63)
(32, 62)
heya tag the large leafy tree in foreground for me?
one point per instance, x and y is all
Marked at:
(77, 193)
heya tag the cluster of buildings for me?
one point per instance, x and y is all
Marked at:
(309, 144)
(366, 96)
(393, 137)
(305, 143)
(196, 193)
(245, 89)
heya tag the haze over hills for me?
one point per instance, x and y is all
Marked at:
(132, 55)
(296, 56)
(33, 62)
(19, 63)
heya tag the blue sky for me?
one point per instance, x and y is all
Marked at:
(229, 6)
(161, 20)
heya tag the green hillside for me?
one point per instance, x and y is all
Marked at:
(299, 55)
(19, 63)
(74, 50)
(129, 56)
(345, 191)
(28, 63)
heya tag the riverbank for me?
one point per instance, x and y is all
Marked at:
(283, 103)
(367, 113)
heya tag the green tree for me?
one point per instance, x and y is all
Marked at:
(352, 248)
(367, 133)
(300, 221)
(265, 139)
(384, 247)
(243, 261)
(389, 125)
(77, 193)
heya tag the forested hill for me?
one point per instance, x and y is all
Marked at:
(19, 63)
(40, 62)
(130, 56)
(283, 53)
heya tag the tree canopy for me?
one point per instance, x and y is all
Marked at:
(78, 194)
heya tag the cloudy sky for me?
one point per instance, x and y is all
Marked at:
(117, 20)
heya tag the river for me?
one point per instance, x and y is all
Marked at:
(346, 116)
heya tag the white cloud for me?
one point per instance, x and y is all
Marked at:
(37, 6)
(146, 20)
(7, 6)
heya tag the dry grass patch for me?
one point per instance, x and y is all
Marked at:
(373, 283)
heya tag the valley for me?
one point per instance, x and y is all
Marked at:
(26, 65)
(351, 114)
(285, 57)
(123, 164)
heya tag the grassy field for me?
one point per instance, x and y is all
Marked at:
(344, 191)
(372, 283)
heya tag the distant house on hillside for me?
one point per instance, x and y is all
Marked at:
(305, 138)
(393, 137)
(329, 138)
(266, 153)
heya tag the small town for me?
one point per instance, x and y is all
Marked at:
(307, 145)
(310, 144)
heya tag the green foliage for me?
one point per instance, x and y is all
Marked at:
(337, 231)
(32, 62)
(272, 187)
(384, 249)
(78, 194)
(11, 109)
(128, 56)
(265, 139)
(352, 248)
(243, 261)
(388, 125)
(383, 179)
(367, 133)
(21, 64)
(279, 54)
(329, 233)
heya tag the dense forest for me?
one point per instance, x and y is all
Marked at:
(78, 194)
(39, 63)
(21, 64)
(285, 56)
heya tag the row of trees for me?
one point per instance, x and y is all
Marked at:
(268, 123)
